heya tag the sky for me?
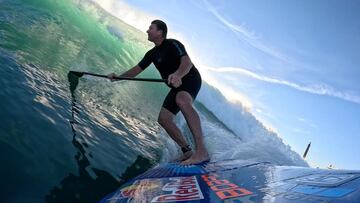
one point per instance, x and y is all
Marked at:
(294, 64)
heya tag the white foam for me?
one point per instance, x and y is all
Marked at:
(246, 137)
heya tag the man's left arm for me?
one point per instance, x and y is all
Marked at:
(184, 68)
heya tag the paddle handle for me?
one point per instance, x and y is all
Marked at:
(127, 78)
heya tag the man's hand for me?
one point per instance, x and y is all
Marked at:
(174, 80)
(112, 77)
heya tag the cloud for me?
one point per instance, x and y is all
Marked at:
(247, 36)
(301, 131)
(319, 89)
(307, 122)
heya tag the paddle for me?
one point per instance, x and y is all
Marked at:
(73, 77)
(80, 74)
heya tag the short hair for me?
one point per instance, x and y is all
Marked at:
(161, 26)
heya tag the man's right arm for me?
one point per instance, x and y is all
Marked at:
(133, 72)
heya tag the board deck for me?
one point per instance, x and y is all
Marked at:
(239, 181)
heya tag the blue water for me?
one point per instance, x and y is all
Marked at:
(59, 148)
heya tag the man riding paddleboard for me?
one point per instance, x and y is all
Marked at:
(172, 61)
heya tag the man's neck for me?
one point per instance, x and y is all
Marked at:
(158, 41)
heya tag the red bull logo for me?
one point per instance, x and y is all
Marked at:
(180, 189)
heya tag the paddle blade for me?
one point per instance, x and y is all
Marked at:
(79, 74)
(73, 79)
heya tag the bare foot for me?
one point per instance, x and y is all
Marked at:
(183, 157)
(196, 158)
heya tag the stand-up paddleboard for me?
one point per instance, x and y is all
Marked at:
(238, 181)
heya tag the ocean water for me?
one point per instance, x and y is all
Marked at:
(56, 146)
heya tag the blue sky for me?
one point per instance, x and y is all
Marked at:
(296, 63)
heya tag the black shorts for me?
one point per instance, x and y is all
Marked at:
(190, 83)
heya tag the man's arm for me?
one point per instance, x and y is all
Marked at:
(184, 68)
(134, 71)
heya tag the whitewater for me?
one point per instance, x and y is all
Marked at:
(60, 148)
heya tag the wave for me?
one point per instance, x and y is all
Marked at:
(40, 42)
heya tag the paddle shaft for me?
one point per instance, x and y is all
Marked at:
(120, 78)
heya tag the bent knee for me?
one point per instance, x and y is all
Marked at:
(164, 118)
(161, 120)
(183, 99)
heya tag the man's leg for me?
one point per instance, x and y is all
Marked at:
(184, 101)
(166, 120)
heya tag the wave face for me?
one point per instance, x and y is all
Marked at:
(66, 149)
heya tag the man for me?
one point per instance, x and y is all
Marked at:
(171, 60)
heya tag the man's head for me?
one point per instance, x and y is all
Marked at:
(157, 30)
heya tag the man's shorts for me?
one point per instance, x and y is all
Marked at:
(190, 83)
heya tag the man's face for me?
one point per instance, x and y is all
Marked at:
(153, 33)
